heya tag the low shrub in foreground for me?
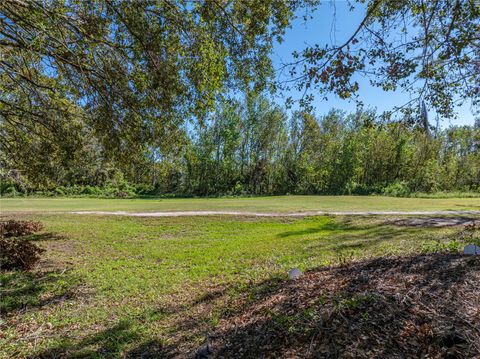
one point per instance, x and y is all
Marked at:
(14, 228)
(18, 253)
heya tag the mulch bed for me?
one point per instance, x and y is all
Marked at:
(424, 306)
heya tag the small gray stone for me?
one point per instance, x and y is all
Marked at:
(294, 273)
(471, 249)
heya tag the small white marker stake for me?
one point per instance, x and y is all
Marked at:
(294, 273)
(471, 249)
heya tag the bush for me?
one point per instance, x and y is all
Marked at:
(9, 192)
(59, 191)
(9, 188)
(237, 190)
(144, 189)
(18, 253)
(88, 190)
(398, 189)
(360, 189)
(13, 228)
(121, 194)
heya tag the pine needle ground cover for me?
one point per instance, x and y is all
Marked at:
(164, 287)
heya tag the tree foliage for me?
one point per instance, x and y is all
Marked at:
(130, 71)
(429, 49)
(254, 147)
(113, 93)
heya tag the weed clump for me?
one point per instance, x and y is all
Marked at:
(17, 252)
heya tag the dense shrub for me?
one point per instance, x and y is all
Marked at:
(354, 188)
(8, 188)
(18, 253)
(237, 190)
(10, 192)
(144, 189)
(15, 252)
(89, 190)
(13, 228)
(398, 189)
(122, 194)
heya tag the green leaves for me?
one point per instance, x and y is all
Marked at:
(134, 69)
(425, 48)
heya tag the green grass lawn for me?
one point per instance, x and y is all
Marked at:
(266, 204)
(120, 286)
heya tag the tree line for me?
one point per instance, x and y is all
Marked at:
(108, 80)
(253, 147)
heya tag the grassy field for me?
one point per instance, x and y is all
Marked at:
(266, 204)
(120, 286)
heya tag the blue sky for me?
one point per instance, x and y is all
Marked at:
(325, 28)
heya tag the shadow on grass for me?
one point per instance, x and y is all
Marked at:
(415, 306)
(346, 226)
(190, 325)
(110, 343)
(325, 313)
(49, 236)
(27, 290)
(345, 236)
(387, 307)
(323, 228)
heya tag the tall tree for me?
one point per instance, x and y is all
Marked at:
(132, 70)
